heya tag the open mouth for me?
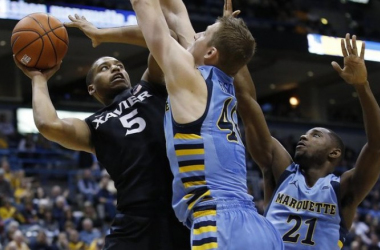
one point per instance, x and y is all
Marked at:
(117, 77)
(300, 144)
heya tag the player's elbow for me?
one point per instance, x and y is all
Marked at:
(45, 128)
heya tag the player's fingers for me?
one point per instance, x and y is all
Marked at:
(236, 13)
(354, 48)
(362, 51)
(348, 44)
(344, 50)
(336, 67)
(77, 16)
(71, 18)
(71, 24)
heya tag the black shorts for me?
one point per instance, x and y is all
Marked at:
(147, 233)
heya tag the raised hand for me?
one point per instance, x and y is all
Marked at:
(31, 72)
(354, 70)
(228, 10)
(88, 28)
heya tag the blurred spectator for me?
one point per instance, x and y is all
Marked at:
(6, 127)
(8, 211)
(48, 223)
(87, 186)
(74, 242)
(374, 245)
(62, 242)
(96, 244)
(18, 242)
(3, 141)
(5, 186)
(29, 212)
(27, 144)
(10, 229)
(41, 242)
(90, 212)
(59, 211)
(23, 190)
(106, 200)
(56, 192)
(88, 233)
(8, 173)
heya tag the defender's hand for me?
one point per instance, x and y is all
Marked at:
(354, 70)
(88, 28)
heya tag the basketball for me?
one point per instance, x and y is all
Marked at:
(39, 41)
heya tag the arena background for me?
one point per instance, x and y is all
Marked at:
(283, 67)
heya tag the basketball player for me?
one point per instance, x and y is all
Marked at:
(311, 207)
(204, 147)
(127, 137)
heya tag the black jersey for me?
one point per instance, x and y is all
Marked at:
(129, 141)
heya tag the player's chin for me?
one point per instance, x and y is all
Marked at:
(120, 84)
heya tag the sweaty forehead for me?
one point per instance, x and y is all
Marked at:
(319, 130)
(103, 60)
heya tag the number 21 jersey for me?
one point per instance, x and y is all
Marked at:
(307, 217)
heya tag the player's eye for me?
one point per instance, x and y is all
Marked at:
(103, 68)
(120, 66)
(316, 135)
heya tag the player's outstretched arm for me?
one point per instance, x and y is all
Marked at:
(178, 20)
(70, 133)
(126, 34)
(183, 81)
(260, 144)
(358, 182)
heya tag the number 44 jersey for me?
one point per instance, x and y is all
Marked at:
(128, 137)
(307, 217)
(207, 156)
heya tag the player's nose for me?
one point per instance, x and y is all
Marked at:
(115, 68)
(303, 138)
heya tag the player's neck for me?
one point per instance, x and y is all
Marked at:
(312, 174)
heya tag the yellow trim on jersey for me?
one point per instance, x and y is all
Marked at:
(187, 136)
(192, 168)
(340, 244)
(204, 213)
(205, 229)
(194, 183)
(206, 246)
(191, 205)
(188, 196)
(181, 152)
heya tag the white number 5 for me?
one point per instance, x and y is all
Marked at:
(128, 123)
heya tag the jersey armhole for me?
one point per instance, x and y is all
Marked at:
(291, 169)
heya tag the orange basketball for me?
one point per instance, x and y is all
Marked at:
(39, 41)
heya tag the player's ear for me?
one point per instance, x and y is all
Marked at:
(212, 55)
(91, 89)
(335, 153)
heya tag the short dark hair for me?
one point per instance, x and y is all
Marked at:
(234, 42)
(338, 143)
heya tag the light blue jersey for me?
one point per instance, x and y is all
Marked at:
(207, 158)
(307, 217)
